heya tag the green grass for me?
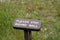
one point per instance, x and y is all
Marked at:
(49, 16)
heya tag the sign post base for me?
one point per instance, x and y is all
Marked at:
(27, 35)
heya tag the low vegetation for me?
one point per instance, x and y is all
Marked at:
(48, 11)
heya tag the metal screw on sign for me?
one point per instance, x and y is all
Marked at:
(27, 25)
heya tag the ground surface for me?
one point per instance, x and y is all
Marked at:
(48, 11)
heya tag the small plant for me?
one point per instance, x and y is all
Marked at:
(31, 8)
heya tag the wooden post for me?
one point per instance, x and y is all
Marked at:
(27, 35)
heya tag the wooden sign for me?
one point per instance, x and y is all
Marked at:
(27, 24)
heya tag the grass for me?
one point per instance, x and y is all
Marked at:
(48, 11)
